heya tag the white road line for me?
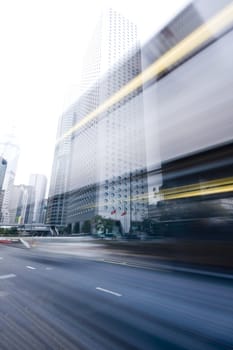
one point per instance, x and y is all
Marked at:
(31, 267)
(1, 258)
(124, 263)
(4, 277)
(48, 268)
(109, 291)
(115, 262)
(25, 243)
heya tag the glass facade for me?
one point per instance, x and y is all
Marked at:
(104, 155)
(151, 137)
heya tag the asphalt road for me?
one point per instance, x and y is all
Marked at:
(51, 301)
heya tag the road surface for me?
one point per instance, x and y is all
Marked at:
(53, 301)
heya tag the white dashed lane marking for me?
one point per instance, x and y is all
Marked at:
(31, 267)
(10, 275)
(109, 291)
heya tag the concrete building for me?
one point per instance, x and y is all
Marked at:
(102, 158)
(19, 201)
(1, 201)
(56, 206)
(9, 150)
(3, 166)
(38, 183)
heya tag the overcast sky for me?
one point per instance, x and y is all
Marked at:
(42, 47)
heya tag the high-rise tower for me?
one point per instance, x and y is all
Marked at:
(106, 145)
(38, 183)
(3, 166)
(10, 151)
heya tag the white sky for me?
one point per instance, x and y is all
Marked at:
(42, 44)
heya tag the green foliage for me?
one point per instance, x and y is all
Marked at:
(67, 229)
(76, 227)
(12, 231)
(108, 224)
(103, 224)
(97, 219)
(86, 227)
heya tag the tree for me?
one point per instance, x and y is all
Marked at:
(86, 227)
(108, 224)
(13, 231)
(67, 229)
(103, 225)
(76, 227)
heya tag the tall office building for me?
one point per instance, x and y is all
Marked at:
(28, 219)
(56, 205)
(105, 154)
(10, 151)
(161, 116)
(115, 38)
(3, 166)
(18, 204)
(38, 183)
(1, 201)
